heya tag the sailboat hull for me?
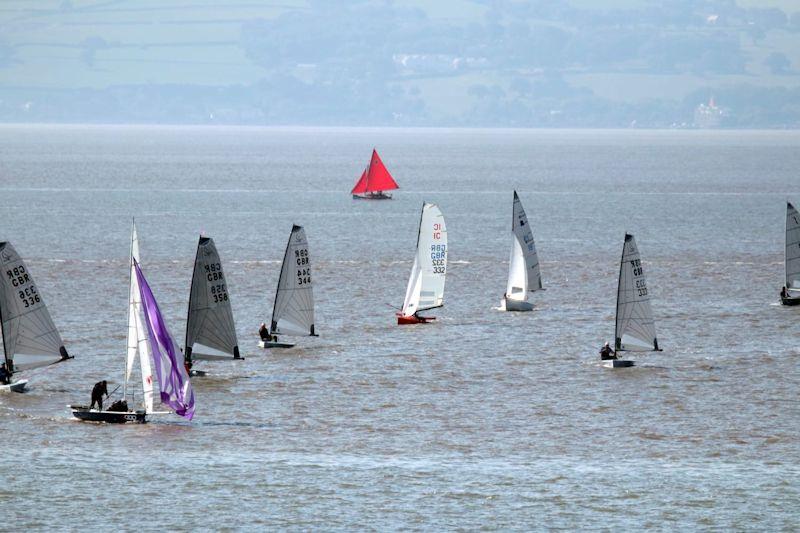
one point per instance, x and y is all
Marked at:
(275, 344)
(81, 412)
(790, 301)
(413, 319)
(516, 305)
(373, 196)
(617, 363)
(17, 386)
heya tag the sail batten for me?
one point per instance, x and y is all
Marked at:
(635, 327)
(210, 330)
(792, 257)
(425, 288)
(30, 338)
(293, 309)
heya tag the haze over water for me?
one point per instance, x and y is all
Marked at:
(482, 419)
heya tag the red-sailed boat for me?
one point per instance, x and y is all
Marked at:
(374, 181)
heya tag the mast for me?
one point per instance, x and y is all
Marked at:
(130, 306)
(187, 351)
(273, 324)
(3, 334)
(618, 340)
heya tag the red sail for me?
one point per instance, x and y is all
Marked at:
(378, 178)
(361, 185)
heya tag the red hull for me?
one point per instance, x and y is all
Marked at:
(406, 320)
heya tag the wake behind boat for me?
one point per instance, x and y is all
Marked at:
(425, 288)
(374, 181)
(293, 309)
(210, 331)
(635, 329)
(523, 266)
(30, 339)
(790, 294)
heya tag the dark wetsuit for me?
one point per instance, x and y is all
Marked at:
(607, 353)
(97, 394)
(5, 375)
(263, 332)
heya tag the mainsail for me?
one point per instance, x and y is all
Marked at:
(523, 268)
(792, 250)
(375, 177)
(137, 332)
(636, 330)
(293, 311)
(30, 339)
(173, 378)
(426, 285)
(210, 332)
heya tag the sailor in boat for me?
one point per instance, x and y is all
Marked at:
(5, 375)
(263, 332)
(97, 394)
(606, 353)
(784, 293)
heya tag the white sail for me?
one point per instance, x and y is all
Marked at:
(137, 332)
(523, 268)
(792, 250)
(636, 330)
(210, 331)
(425, 288)
(293, 311)
(30, 339)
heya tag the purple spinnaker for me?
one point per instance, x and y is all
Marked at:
(176, 389)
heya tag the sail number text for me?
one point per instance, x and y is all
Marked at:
(19, 278)
(303, 271)
(641, 285)
(439, 258)
(214, 272)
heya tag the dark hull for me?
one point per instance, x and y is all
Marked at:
(790, 301)
(373, 196)
(82, 412)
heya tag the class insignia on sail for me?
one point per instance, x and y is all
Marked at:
(293, 309)
(374, 181)
(635, 329)
(425, 288)
(790, 294)
(30, 339)
(210, 331)
(523, 266)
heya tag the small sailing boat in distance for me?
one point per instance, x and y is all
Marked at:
(30, 339)
(210, 331)
(635, 328)
(374, 181)
(523, 267)
(293, 310)
(426, 284)
(790, 294)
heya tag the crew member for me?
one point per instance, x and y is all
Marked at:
(97, 394)
(607, 353)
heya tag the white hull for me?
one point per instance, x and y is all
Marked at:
(515, 305)
(270, 344)
(617, 363)
(17, 386)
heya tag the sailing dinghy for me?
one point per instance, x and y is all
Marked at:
(790, 295)
(374, 181)
(30, 339)
(523, 267)
(426, 284)
(293, 310)
(147, 333)
(635, 328)
(210, 331)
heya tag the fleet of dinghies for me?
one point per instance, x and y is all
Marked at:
(31, 340)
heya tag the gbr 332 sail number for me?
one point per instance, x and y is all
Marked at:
(438, 251)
